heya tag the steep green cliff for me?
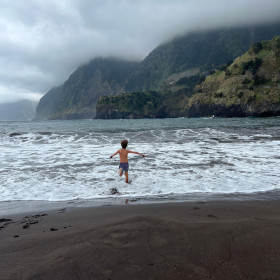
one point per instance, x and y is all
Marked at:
(250, 86)
(195, 53)
(83, 88)
(173, 69)
(153, 104)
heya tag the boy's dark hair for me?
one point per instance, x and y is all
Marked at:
(124, 144)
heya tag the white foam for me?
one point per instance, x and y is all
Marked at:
(67, 166)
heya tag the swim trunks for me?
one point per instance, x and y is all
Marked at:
(124, 166)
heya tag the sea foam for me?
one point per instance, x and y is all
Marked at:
(70, 160)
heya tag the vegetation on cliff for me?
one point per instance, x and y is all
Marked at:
(172, 70)
(153, 104)
(195, 53)
(77, 97)
(248, 86)
(83, 88)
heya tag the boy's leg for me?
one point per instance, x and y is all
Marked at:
(120, 172)
(126, 176)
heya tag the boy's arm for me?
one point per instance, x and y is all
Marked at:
(115, 153)
(132, 152)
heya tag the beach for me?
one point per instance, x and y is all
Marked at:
(180, 240)
(204, 204)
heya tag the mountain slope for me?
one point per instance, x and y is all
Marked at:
(250, 86)
(83, 88)
(196, 53)
(174, 67)
(48, 104)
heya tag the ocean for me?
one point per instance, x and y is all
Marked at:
(68, 162)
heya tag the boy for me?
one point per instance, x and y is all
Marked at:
(124, 159)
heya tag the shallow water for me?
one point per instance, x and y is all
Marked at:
(69, 160)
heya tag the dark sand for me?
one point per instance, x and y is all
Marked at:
(214, 240)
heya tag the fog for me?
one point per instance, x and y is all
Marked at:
(43, 42)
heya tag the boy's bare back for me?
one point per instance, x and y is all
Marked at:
(123, 153)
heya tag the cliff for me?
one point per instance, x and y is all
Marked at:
(152, 104)
(250, 86)
(195, 53)
(48, 104)
(174, 67)
(83, 88)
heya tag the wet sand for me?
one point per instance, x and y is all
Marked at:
(192, 240)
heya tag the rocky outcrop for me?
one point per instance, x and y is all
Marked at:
(233, 111)
(250, 86)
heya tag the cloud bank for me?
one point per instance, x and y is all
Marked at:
(43, 42)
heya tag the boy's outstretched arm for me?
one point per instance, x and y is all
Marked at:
(132, 152)
(115, 153)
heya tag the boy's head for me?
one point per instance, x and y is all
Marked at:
(124, 144)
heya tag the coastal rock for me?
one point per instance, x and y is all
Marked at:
(5, 220)
(114, 191)
(15, 134)
(247, 87)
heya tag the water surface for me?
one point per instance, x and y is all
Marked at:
(69, 160)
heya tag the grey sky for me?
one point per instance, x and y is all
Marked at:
(43, 41)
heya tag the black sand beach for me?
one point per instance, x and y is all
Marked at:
(192, 240)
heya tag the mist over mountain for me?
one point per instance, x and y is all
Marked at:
(78, 96)
(196, 53)
(23, 110)
(42, 42)
(48, 103)
(187, 57)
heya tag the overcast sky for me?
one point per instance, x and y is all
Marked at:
(43, 41)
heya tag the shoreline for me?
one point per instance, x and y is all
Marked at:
(28, 206)
(225, 239)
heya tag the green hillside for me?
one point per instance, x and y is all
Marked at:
(249, 86)
(152, 104)
(172, 69)
(194, 54)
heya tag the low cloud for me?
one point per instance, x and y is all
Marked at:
(43, 42)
